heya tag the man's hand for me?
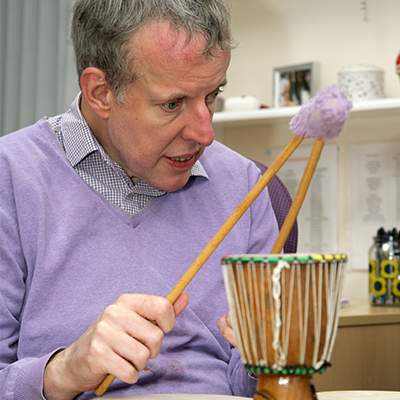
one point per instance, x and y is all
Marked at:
(120, 342)
(226, 328)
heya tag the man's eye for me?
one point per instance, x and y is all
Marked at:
(213, 96)
(172, 105)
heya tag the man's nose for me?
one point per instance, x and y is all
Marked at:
(198, 126)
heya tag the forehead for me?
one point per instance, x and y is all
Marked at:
(159, 44)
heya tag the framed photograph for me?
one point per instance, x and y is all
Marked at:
(295, 84)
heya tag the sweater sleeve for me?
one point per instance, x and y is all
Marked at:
(23, 379)
(19, 379)
(241, 381)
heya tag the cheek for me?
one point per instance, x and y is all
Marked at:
(138, 148)
(143, 140)
(123, 132)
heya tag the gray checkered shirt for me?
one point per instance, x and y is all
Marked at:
(97, 169)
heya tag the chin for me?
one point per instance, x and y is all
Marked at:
(171, 185)
(173, 188)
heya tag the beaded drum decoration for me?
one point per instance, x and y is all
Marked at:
(285, 311)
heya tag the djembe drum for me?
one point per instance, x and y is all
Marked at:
(285, 311)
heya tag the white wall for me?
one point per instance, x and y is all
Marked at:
(273, 33)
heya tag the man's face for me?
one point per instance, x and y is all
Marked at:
(164, 125)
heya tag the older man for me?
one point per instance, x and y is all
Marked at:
(103, 208)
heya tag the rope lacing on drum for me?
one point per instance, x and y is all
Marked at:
(280, 356)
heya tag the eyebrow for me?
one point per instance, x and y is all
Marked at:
(223, 83)
(177, 96)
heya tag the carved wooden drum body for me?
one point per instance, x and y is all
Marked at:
(285, 311)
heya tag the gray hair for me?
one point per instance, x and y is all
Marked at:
(101, 30)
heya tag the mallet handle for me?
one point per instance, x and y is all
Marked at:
(300, 195)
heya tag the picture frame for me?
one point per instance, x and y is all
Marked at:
(295, 84)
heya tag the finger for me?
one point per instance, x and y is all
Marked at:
(122, 369)
(127, 358)
(123, 328)
(117, 353)
(110, 351)
(134, 351)
(225, 327)
(228, 318)
(119, 318)
(150, 307)
(181, 302)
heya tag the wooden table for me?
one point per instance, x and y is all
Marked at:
(177, 397)
(366, 355)
(359, 395)
(339, 395)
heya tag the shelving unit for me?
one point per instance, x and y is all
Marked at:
(370, 108)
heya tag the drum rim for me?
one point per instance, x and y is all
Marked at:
(289, 257)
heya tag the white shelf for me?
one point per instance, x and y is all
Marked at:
(373, 108)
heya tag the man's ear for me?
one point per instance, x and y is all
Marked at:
(97, 91)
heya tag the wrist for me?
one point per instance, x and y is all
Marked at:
(56, 385)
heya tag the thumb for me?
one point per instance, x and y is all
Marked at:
(180, 303)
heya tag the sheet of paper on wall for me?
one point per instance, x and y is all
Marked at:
(374, 195)
(317, 219)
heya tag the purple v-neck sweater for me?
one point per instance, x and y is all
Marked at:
(66, 254)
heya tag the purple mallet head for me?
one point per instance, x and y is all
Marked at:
(323, 116)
